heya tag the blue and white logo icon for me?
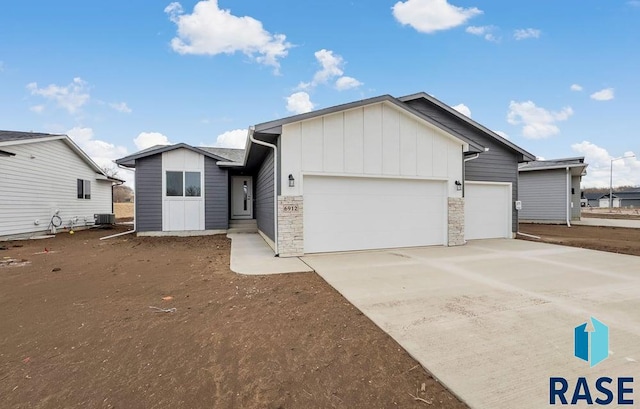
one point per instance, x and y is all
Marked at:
(591, 345)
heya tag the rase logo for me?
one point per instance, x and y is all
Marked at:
(592, 346)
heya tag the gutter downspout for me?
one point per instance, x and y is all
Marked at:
(252, 129)
(568, 197)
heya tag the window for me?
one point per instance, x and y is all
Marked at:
(183, 184)
(192, 184)
(174, 184)
(84, 189)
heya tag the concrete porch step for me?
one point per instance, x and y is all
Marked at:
(243, 226)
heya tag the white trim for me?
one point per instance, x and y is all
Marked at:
(509, 232)
(267, 240)
(372, 176)
(32, 140)
(184, 233)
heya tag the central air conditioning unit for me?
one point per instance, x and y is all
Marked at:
(105, 219)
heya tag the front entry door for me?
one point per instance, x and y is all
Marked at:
(241, 197)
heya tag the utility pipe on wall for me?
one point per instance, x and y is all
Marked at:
(275, 182)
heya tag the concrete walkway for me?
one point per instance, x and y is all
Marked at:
(591, 221)
(251, 255)
(494, 319)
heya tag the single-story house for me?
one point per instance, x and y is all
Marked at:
(629, 198)
(605, 202)
(383, 172)
(550, 190)
(48, 182)
(592, 199)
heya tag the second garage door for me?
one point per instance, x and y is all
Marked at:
(347, 213)
(487, 210)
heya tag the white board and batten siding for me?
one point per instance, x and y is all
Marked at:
(182, 213)
(42, 178)
(371, 177)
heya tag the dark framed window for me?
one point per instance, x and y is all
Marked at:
(183, 184)
(192, 184)
(174, 184)
(84, 189)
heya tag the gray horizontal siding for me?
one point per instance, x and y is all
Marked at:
(216, 196)
(264, 197)
(544, 195)
(148, 200)
(499, 164)
(576, 211)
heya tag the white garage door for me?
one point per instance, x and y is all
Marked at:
(342, 213)
(487, 210)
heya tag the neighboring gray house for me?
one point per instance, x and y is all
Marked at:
(550, 190)
(592, 199)
(48, 181)
(378, 173)
(627, 198)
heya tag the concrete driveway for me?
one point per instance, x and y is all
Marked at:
(494, 320)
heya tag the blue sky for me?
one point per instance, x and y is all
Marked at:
(558, 78)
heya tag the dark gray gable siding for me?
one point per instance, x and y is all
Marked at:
(499, 164)
(264, 197)
(148, 200)
(544, 195)
(216, 196)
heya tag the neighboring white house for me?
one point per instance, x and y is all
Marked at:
(47, 179)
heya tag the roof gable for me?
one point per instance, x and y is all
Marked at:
(457, 116)
(130, 161)
(275, 127)
(12, 138)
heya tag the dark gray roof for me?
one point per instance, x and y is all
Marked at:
(232, 155)
(275, 127)
(10, 136)
(453, 112)
(564, 163)
(130, 160)
(628, 194)
(592, 196)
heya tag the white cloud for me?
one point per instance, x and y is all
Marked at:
(606, 94)
(428, 16)
(524, 33)
(331, 67)
(463, 109)
(38, 109)
(576, 87)
(537, 122)
(626, 172)
(121, 107)
(103, 153)
(345, 83)
(148, 139)
(210, 30)
(503, 134)
(70, 97)
(232, 139)
(299, 103)
(487, 32)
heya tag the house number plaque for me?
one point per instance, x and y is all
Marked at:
(290, 208)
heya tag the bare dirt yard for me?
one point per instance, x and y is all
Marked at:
(617, 213)
(77, 330)
(612, 239)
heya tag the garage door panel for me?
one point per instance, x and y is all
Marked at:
(487, 211)
(343, 214)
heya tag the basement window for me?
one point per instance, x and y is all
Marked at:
(84, 189)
